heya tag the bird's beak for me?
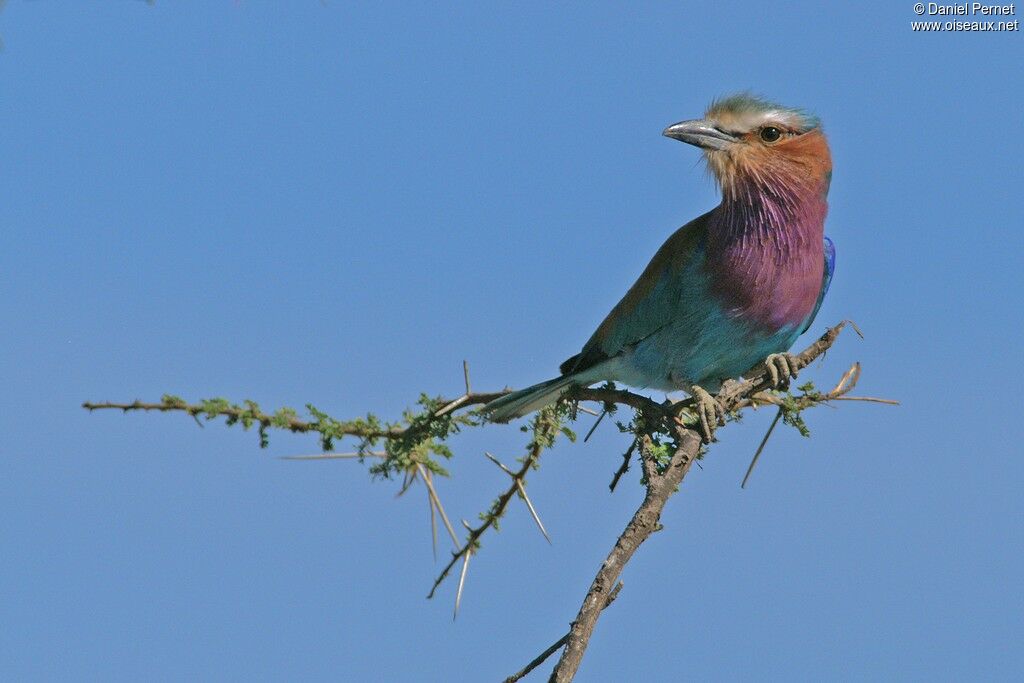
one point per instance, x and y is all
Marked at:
(703, 134)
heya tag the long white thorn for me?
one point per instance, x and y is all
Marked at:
(437, 503)
(462, 582)
(533, 512)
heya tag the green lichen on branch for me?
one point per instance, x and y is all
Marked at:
(792, 407)
(420, 437)
(653, 435)
(417, 438)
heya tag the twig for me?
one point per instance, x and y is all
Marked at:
(497, 510)
(757, 454)
(594, 428)
(461, 400)
(868, 399)
(539, 659)
(291, 423)
(847, 381)
(214, 408)
(522, 494)
(624, 467)
(408, 477)
(846, 384)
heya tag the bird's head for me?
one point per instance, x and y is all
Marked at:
(751, 142)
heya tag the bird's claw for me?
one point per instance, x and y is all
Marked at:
(709, 411)
(782, 367)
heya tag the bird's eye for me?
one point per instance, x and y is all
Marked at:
(770, 134)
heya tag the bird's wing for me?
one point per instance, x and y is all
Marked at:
(826, 280)
(649, 304)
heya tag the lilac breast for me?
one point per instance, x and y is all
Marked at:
(765, 262)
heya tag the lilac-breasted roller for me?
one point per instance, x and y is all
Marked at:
(732, 289)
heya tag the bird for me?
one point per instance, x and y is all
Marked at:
(728, 293)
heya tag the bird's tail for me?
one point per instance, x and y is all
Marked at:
(519, 403)
(524, 401)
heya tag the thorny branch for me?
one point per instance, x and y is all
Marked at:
(664, 434)
(546, 426)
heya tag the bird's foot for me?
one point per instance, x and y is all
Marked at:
(709, 411)
(782, 367)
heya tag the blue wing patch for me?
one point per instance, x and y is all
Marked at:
(826, 280)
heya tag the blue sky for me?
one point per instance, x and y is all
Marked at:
(316, 202)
